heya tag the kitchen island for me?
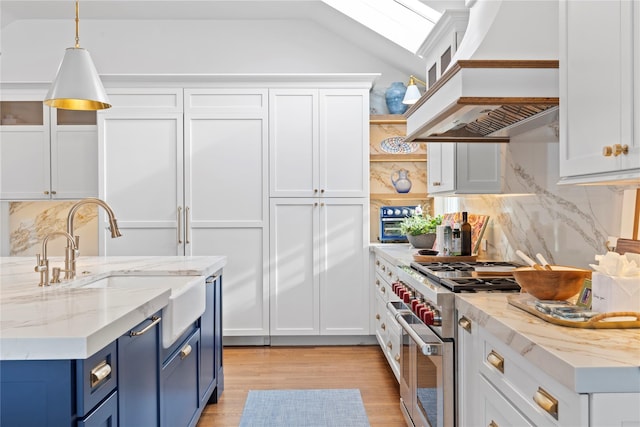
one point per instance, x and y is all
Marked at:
(92, 350)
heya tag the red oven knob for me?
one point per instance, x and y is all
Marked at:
(414, 303)
(418, 309)
(395, 286)
(421, 309)
(406, 297)
(428, 317)
(400, 292)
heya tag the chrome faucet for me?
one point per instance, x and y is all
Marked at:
(42, 266)
(70, 253)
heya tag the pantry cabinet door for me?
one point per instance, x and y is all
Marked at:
(344, 143)
(294, 241)
(141, 169)
(293, 143)
(344, 249)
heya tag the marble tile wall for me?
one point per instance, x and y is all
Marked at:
(28, 223)
(567, 224)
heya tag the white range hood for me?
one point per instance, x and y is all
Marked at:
(503, 78)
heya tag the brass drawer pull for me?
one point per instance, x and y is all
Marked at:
(211, 279)
(493, 424)
(465, 324)
(179, 229)
(100, 373)
(547, 402)
(390, 345)
(496, 361)
(187, 214)
(155, 321)
(383, 327)
(186, 351)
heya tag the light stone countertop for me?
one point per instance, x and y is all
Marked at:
(583, 360)
(63, 321)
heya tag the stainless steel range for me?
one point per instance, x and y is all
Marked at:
(428, 319)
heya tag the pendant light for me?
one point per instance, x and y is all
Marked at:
(77, 85)
(412, 94)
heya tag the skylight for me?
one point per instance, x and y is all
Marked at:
(405, 22)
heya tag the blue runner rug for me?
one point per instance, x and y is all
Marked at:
(304, 408)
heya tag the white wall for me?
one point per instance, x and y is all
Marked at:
(32, 49)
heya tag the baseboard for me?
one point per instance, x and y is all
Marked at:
(300, 340)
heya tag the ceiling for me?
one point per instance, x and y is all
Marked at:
(314, 10)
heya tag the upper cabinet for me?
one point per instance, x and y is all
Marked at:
(319, 142)
(464, 168)
(46, 153)
(599, 91)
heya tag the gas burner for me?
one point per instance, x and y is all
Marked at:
(481, 284)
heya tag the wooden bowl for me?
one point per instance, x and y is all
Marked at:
(559, 283)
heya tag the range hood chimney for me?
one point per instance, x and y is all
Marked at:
(503, 78)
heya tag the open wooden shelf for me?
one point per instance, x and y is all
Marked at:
(398, 196)
(381, 119)
(418, 157)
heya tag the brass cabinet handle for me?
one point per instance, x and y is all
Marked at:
(390, 345)
(179, 224)
(547, 402)
(390, 274)
(384, 268)
(377, 282)
(377, 316)
(493, 424)
(397, 358)
(99, 373)
(377, 262)
(187, 213)
(436, 184)
(322, 191)
(384, 290)
(465, 324)
(315, 190)
(54, 192)
(46, 192)
(185, 351)
(211, 279)
(383, 327)
(496, 361)
(155, 321)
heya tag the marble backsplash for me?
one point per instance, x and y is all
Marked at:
(27, 223)
(567, 224)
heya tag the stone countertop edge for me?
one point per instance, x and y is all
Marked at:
(583, 360)
(66, 322)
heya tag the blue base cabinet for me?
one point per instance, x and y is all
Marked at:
(138, 399)
(105, 415)
(211, 372)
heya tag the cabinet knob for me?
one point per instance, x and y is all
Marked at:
(377, 262)
(46, 192)
(322, 191)
(397, 357)
(493, 424)
(315, 190)
(390, 345)
(384, 290)
(615, 150)
(53, 192)
(384, 268)
(377, 317)
(383, 327)
(436, 183)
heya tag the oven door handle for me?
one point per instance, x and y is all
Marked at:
(427, 349)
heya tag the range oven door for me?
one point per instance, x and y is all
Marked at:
(427, 375)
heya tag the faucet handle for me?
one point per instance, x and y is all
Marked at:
(40, 264)
(55, 275)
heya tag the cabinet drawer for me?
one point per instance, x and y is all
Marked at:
(106, 414)
(96, 377)
(539, 397)
(497, 411)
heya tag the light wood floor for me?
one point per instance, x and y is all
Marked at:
(262, 368)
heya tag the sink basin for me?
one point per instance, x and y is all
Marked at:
(186, 302)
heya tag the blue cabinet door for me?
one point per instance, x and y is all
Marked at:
(138, 375)
(211, 382)
(179, 396)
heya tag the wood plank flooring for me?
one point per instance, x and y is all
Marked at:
(264, 368)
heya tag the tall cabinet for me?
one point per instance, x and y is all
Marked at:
(185, 172)
(319, 211)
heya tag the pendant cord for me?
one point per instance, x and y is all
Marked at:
(77, 27)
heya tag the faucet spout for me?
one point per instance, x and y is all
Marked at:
(70, 253)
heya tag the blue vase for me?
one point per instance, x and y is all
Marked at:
(394, 95)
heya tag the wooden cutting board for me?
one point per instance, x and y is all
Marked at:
(628, 245)
(443, 258)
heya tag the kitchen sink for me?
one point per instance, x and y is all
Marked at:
(186, 302)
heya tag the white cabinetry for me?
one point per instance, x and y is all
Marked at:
(200, 190)
(467, 372)
(464, 168)
(46, 153)
(319, 266)
(319, 142)
(599, 91)
(387, 329)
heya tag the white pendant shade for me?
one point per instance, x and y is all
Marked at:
(411, 95)
(77, 85)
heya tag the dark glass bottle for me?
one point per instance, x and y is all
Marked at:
(465, 232)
